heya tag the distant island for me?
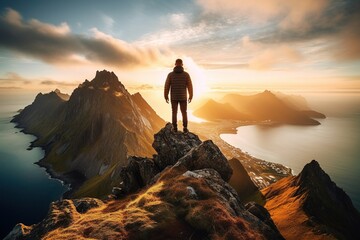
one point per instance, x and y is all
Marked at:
(261, 107)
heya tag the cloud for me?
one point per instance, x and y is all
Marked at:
(142, 87)
(178, 36)
(57, 45)
(291, 13)
(58, 83)
(178, 19)
(10, 88)
(275, 56)
(347, 46)
(288, 30)
(265, 56)
(224, 65)
(16, 79)
(108, 21)
(12, 77)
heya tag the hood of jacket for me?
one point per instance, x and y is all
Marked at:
(178, 69)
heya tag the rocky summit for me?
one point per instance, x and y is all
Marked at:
(173, 149)
(184, 197)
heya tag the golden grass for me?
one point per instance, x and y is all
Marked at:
(165, 210)
(286, 211)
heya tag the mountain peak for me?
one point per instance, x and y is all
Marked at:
(313, 197)
(311, 176)
(312, 168)
(104, 74)
(105, 80)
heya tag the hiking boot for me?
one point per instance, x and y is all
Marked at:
(185, 130)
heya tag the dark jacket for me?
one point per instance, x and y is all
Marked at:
(178, 81)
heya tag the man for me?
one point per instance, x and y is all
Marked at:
(177, 82)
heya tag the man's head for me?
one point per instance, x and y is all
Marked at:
(178, 62)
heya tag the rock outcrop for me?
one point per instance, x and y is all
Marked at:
(170, 146)
(186, 197)
(206, 155)
(173, 149)
(311, 206)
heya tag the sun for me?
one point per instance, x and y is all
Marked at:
(198, 77)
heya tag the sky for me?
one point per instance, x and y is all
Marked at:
(234, 44)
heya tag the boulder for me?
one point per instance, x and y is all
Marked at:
(137, 174)
(85, 204)
(261, 213)
(171, 146)
(223, 190)
(206, 155)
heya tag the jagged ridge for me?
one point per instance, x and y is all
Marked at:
(315, 207)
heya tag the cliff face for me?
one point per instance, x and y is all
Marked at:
(311, 206)
(93, 132)
(180, 193)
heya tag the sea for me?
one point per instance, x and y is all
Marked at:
(335, 144)
(26, 190)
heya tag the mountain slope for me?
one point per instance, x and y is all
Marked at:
(311, 206)
(93, 132)
(241, 181)
(213, 110)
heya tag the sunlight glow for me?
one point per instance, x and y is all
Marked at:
(197, 75)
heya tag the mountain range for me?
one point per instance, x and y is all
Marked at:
(265, 106)
(90, 133)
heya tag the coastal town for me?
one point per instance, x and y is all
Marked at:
(261, 172)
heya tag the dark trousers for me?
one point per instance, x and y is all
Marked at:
(183, 109)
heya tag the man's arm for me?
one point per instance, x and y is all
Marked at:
(189, 87)
(167, 88)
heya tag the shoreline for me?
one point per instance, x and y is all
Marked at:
(262, 172)
(71, 180)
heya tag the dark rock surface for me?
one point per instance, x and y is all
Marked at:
(241, 181)
(326, 202)
(137, 174)
(261, 213)
(206, 155)
(83, 205)
(171, 146)
(179, 149)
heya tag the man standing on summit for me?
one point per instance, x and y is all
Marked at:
(177, 82)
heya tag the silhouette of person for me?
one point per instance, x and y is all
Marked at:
(178, 82)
